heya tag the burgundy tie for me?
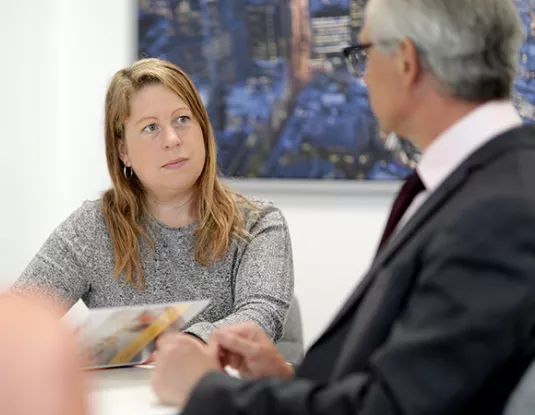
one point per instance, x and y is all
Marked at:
(412, 186)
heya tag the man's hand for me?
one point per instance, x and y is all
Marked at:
(180, 363)
(247, 349)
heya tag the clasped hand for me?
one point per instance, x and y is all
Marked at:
(181, 361)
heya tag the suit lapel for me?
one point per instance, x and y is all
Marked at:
(496, 147)
(398, 240)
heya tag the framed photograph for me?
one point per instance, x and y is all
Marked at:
(280, 98)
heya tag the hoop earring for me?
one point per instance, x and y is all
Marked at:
(126, 174)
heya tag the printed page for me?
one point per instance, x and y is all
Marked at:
(126, 336)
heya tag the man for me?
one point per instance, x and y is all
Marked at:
(39, 359)
(443, 322)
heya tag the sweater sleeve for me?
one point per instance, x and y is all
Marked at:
(263, 279)
(61, 267)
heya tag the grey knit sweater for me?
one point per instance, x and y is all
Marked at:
(254, 281)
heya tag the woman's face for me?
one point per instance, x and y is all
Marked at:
(163, 143)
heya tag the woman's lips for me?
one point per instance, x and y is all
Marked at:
(175, 164)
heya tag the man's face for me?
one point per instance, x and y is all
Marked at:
(386, 79)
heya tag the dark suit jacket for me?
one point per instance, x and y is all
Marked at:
(443, 322)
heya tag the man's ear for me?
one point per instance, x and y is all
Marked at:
(408, 63)
(123, 153)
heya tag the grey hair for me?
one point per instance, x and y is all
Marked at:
(471, 46)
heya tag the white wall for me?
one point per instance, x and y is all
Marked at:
(335, 228)
(58, 57)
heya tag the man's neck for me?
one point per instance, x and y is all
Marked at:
(434, 118)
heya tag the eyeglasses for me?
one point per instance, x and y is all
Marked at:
(355, 58)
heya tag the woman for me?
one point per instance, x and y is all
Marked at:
(168, 229)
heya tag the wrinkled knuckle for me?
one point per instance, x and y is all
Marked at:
(256, 352)
(251, 326)
(256, 327)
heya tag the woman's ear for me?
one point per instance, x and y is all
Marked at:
(123, 153)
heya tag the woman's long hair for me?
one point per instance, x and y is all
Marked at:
(220, 219)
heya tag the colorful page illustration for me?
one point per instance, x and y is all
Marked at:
(126, 336)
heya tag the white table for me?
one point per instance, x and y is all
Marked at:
(125, 391)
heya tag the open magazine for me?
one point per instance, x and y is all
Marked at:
(126, 336)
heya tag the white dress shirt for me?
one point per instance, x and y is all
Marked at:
(457, 143)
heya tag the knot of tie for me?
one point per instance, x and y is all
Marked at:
(412, 186)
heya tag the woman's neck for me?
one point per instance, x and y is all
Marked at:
(176, 211)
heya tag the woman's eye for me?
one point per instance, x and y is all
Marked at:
(183, 119)
(150, 128)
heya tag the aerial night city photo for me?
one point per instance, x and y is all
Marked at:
(280, 98)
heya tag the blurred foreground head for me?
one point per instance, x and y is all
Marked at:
(39, 360)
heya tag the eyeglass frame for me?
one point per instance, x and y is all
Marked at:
(350, 51)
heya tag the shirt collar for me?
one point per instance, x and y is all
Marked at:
(463, 138)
